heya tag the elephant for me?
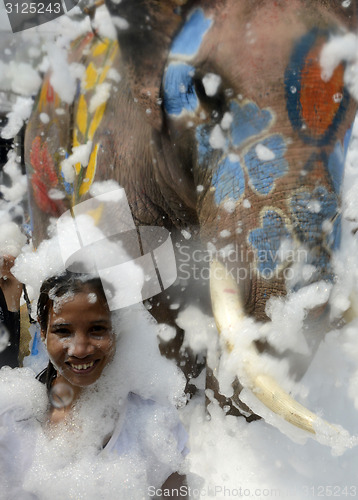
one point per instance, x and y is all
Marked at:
(215, 118)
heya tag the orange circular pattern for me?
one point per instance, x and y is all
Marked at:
(320, 100)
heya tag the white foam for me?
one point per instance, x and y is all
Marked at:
(11, 239)
(211, 83)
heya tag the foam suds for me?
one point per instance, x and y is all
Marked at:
(228, 457)
(67, 457)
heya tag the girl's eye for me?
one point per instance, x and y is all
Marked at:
(99, 330)
(62, 332)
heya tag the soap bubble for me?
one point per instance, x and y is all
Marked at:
(4, 337)
(61, 395)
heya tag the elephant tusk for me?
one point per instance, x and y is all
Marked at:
(229, 314)
(352, 312)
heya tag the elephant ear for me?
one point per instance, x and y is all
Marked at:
(145, 29)
(60, 123)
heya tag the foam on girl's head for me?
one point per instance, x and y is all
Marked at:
(57, 290)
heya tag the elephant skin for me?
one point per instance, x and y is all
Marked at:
(220, 123)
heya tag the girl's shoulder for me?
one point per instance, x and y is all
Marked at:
(152, 427)
(150, 434)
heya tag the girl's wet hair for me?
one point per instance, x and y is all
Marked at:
(55, 287)
(59, 285)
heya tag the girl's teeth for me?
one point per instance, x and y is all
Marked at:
(83, 367)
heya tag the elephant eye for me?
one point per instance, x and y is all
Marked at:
(209, 89)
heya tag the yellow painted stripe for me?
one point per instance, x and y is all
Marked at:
(91, 76)
(75, 143)
(96, 120)
(104, 73)
(82, 114)
(90, 172)
(101, 48)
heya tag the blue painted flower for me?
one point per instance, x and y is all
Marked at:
(310, 210)
(188, 41)
(179, 89)
(229, 179)
(265, 162)
(267, 241)
(248, 120)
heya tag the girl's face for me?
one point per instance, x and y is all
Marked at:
(80, 342)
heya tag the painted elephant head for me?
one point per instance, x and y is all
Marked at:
(215, 113)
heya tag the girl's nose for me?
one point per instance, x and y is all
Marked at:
(81, 346)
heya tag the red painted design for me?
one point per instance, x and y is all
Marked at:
(80, 44)
(44, 178)
(50, 94)
(320, 101)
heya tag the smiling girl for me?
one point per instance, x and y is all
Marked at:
(76, 326)
(80, 430)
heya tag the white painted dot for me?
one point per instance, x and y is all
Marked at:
(337, 97)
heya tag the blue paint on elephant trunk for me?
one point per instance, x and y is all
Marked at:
(205, 151)
(248, 120)
(264, 170)
(317, 219)
(229, 180)
(179, 89)
(188, 41)
(267, 241)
